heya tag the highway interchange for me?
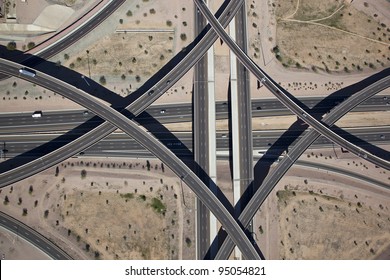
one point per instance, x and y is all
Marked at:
(119, 144)
(116, 119)
(283, 95)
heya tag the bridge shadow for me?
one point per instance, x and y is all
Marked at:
(271, 156)
(277, 149)
(119, 103)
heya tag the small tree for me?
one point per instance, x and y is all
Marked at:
(102, 80)
(24, 211)
(6, 200)
(46, 213)
(11, 46)
(83, 174)
(148, 165)
(31, 189)
(261, 230)
(30, 45)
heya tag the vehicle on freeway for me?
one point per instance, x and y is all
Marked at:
(223, 136)
(85, 113)
(37, 114)
(27, 72)
(162, 112)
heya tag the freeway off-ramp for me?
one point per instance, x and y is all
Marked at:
(154, 92)
(149, 142)
(283, 166)
(119, 120)
(284, 96)
(33, 237)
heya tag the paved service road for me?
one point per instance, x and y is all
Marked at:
(150, 143)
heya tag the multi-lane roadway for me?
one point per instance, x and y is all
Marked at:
(119, 144)
(284, 96)
(65, 120)
(149, 142)
(117, 119)
(264, 188)
(161, 83)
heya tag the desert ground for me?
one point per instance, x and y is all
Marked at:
(318, 214)
(108, 209)
(149, 214)
(69, 209)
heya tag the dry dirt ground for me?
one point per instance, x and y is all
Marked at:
(345, 230)
(119, 210)
(263, 37)
(133, 44)
(313, 214)
(320, 34)
(112, 47)
(111, 63)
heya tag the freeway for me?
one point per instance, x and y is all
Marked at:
(153, 92)
(149, 142)
(30, 145)
(284, 165)
(201, 140)
(180, 142)
(284, 96)
(34, 237)
(228, 11)
(244, 111)
(64, 120)
(119, 144)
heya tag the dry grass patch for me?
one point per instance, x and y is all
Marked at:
(329, 35)
(115, 225)
(317, 226)
(127, 57)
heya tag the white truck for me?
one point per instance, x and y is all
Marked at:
(37, 114)
(27, 72)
